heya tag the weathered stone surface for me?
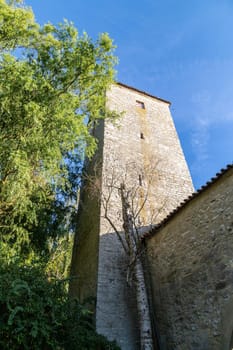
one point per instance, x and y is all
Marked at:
(190, 261)
(142, 146)
(86, 246)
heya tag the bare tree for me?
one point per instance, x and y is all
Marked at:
(133, 198)
(135, 269)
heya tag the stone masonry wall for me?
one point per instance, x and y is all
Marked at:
(142, 144)
(158, 156)
(190, 261)
(85, 254)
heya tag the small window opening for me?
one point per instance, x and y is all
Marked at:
(140, 180)
(140, 104)
(142, 135)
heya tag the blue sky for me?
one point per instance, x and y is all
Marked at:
(178, 50)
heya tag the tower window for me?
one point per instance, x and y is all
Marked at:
(142, 135)
(140, 104)
(140, 180)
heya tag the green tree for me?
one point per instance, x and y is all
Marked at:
(52, 89)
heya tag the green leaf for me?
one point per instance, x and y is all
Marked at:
(13, 314)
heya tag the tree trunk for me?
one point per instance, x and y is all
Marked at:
(143, 307)
(146, 340)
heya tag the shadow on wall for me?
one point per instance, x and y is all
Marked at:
(191, 268)
(116, 309)
(227, 326)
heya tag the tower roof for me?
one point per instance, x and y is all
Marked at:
(143, 92)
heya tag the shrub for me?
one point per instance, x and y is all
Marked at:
(35, 313)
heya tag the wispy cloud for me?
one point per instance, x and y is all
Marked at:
(200, 138)
(201, 123)
(209, 112)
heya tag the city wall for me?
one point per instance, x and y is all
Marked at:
(190, 262)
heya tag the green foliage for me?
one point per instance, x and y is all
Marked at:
(36, 314)
(17, 25)
(52, 89)
(58, 264)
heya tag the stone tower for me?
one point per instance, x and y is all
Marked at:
(143, 138)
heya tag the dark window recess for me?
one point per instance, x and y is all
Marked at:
(140, 180)
(142, 136)
(140, 104)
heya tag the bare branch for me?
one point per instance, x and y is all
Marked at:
(117, 232)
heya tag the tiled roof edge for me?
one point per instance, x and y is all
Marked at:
(187, 200)
(143, 92)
